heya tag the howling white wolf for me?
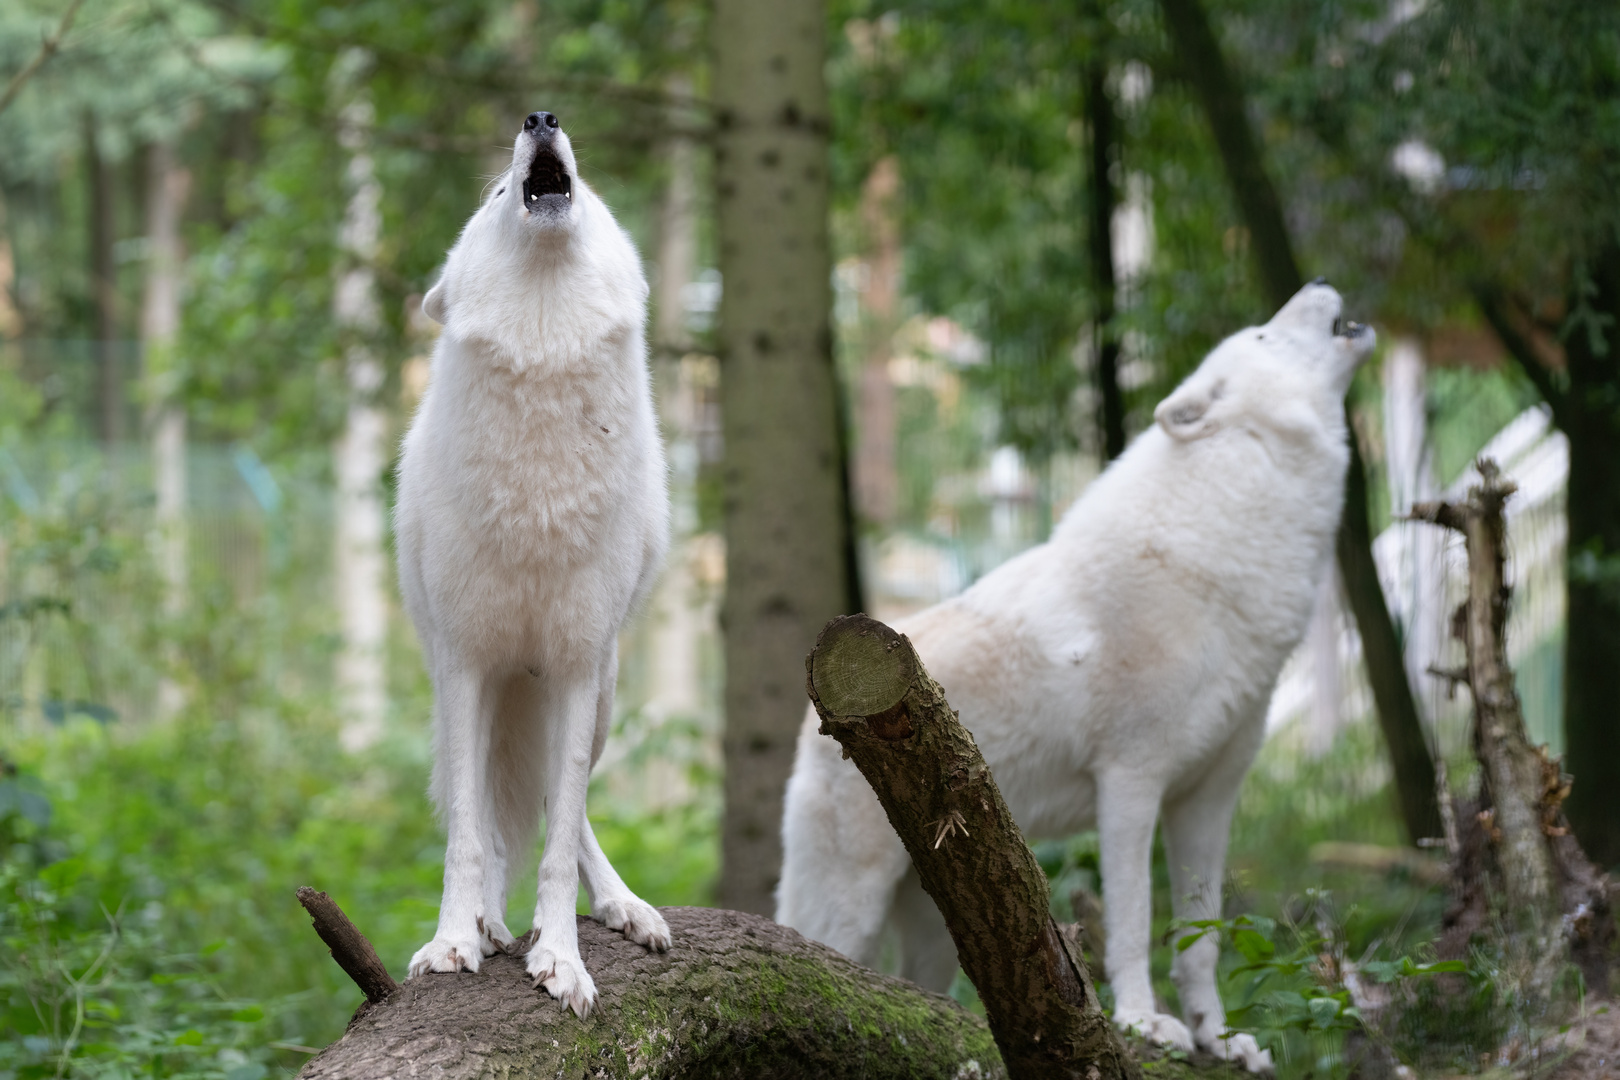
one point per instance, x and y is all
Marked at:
(1122, 667)
(533, 515)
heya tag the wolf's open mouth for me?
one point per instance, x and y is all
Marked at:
(546, 177)
(1344, 328)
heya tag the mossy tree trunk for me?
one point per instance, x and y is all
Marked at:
(788, 543)
(736, 996)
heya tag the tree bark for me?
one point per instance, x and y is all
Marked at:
(736, 996)
(786, 499)
(875, 698)
(1555, 906)
(1102, 201)
(1204, 66)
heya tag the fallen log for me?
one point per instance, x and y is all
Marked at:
(736, 996)
(873, 695)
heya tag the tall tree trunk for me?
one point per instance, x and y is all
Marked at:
(788, 541)
(877, 481)
(1591, 420)
(168, 184)
(1202, 64)
(359, 455)
(103, 288)
(1103, 200)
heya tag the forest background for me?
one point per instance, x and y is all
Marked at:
(216, 224)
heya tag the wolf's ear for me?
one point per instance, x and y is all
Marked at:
(1187, 413)
(433, 304)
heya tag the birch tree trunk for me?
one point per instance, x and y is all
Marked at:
(103, 288)
(168, 184)
(788, 546)
(359, 455)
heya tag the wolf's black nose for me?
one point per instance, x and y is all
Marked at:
(536, 120)
(1314, 280)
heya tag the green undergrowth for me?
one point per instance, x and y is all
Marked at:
(176, 849)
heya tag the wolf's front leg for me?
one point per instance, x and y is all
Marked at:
(1127, 805)
(461, 786)
(1196, 828)
(554, 961)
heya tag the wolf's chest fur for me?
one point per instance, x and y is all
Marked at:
(542, 456)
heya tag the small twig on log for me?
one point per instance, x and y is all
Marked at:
(874, 697)
(349, 946)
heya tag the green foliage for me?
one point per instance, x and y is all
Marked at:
(89, 991)
(1298, 1000)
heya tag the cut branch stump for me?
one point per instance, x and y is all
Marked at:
(875, 698)
(349, 946)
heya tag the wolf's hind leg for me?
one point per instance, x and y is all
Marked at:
(841, 860)
(612, 902)
(927, 953)
(515, 771)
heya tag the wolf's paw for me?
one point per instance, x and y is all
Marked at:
(493, 936)
(442, 954)
(1245, 1051)
(1160, 1028)
(637, 919)
(564, 978)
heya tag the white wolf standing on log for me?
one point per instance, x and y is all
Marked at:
(533, 516)
(1121, 668)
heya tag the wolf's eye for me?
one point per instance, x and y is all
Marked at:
(501, 192)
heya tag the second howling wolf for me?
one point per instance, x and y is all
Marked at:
(532, 518)
(1122, 667)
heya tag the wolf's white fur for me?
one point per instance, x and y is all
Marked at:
(533, 515)
(1123, 666)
